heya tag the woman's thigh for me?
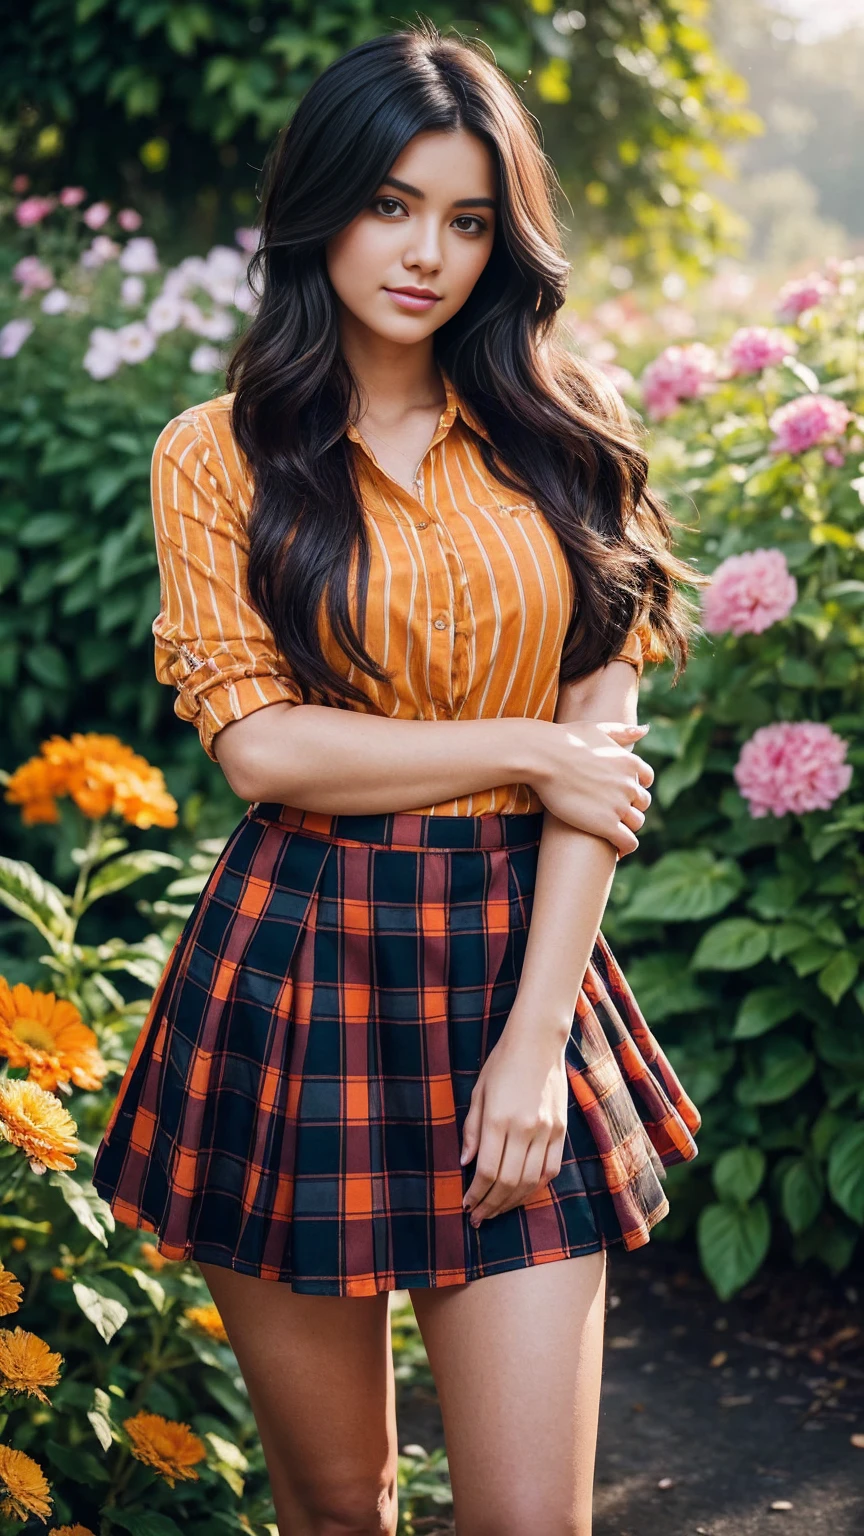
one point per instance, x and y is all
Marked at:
(517, 1360)
(319, 1372)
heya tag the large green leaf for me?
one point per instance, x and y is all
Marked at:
(734, 944)
(837, 976)
(738, 1173)
(83, 1200)
(802, 1192)
(762, 1009)
(685, 886)
(846, 1171)
(145, 1522)
(776, 1071)
(118, 873)
(25, 893)
(733, 1241)
(101, 1304)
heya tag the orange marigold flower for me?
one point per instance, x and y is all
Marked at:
(34, 1120)
(70, 1530)
(153, 1257)
(27, 1364)
(58, 1272)
(11, 1291)
(24, 1489)
(19, 1244)
(48, 1035)
(100, 773)
(171, 1448)
(207, 1320)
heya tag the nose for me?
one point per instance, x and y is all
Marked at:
(424, 249)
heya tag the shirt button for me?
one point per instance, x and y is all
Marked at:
(440, 623)
(421, 525)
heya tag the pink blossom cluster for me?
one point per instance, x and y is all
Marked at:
(32, 210)
(748, 593)
(802, 293)
(806, 421)
(793, 766)
(678, 373)
(755, 347)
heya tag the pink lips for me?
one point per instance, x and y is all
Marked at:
(414, 301)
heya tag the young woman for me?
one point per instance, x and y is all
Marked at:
(410, 570)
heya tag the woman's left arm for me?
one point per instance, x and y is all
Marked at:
(518, 1116)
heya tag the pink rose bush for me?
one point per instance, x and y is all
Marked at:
(792, 766)
(679, 373)
(803, 293)
(754, 347)
(806, 422)
(749, 593)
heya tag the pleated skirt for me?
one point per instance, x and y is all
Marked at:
(294, 1103)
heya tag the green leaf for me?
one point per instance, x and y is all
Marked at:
(145, 1522)
(118, 873)
(100, 1304)
(83, 1200)
(732, 945)
(733, 1241)
(802, 1192)
(846, 1171)
(686, 886)
(47, 665)
(837, 976)
(101, 1418)
(738, 1173)
(25, 893)
(778, 1070)
(45, 528)
(762, 1009)
(82, 1466)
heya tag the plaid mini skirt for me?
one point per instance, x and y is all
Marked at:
(294, 1103)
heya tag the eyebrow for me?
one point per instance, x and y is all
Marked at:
(462, 202)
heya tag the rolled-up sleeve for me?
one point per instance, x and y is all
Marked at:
(210, 643)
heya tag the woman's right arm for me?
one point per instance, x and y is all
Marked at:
(344, 761)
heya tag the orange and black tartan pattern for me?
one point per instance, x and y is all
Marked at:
(294, 1103)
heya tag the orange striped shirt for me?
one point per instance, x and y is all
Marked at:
(470, 593)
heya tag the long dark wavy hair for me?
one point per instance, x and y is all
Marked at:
(559, 430)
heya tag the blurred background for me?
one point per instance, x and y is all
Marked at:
(713, 214)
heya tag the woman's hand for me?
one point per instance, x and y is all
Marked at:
(515, 1125)
(588, 778)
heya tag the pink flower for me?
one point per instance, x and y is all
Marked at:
(33, 210)
(70, 197)
(679, 373)
(20, 183)
(806, 421)
(834, 456)
(32, 274)
(13, 336)
(802, 293)
(755, 347)
(748, 593)
(792, 766)
(96, 215)
(129, 218)
(247, 239)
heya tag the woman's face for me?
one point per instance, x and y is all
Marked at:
(430, 225)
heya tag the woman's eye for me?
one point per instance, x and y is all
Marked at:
(479, 225)
(474, 219)
(380, 200)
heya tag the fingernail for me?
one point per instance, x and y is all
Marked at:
(474, 1222)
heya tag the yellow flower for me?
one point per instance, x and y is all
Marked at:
(34, 1120)
(49, 1036)
(169, 1447)
(11, 1291)
(101, 774)
(19, 1244)
(24, 1489)
(27, 1364)
(70, 1530)
(207, 1320)
(154, 1258)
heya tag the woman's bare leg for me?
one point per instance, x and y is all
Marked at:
(517, 1361)
(319, 1372)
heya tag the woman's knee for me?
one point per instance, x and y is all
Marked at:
(353, 1509)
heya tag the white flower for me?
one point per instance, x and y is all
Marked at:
(206, 359)
(140, 255)
(55, 302)
(248, 239)
(101, 362)
(216, 327)
(245, 299)
(96, 215)
(13, 336)
(855, 485)
(103, 337)
(191, 272)
(132, 290)
(165, 313)
(193, 316)
(135, 342)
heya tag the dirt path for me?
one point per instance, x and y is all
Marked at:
(740, 1405)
